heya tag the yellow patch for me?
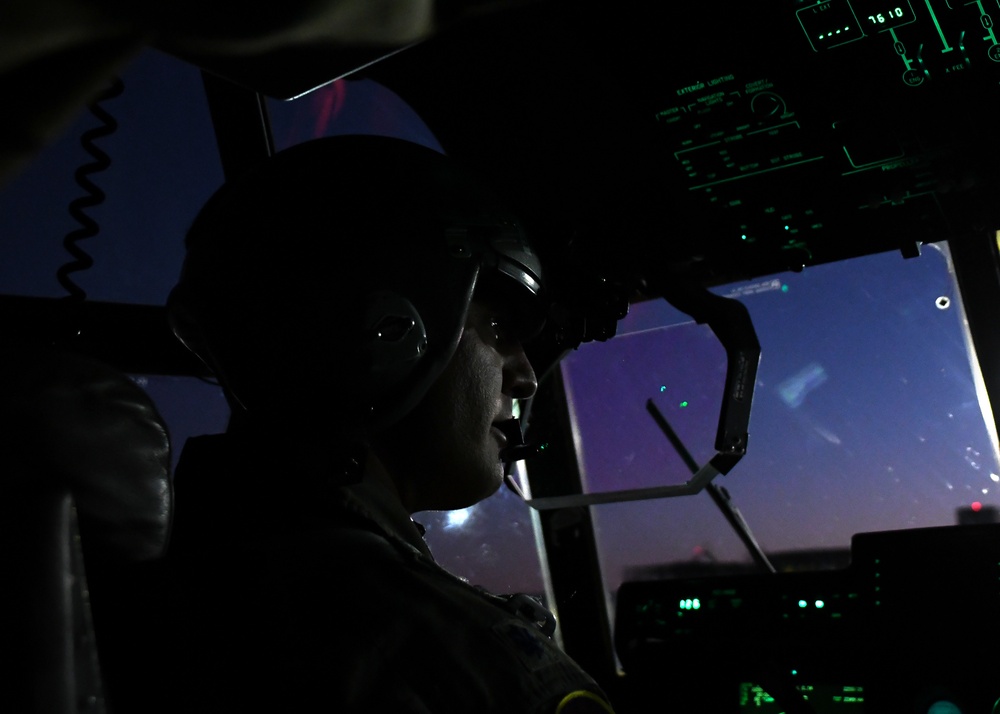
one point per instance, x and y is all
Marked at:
(583, 702)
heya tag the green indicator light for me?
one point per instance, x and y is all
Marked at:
(683, 404)
(794, 672)
(663, 388)
(788, 228)
(743, 237)
(784, 288)
(803, 603)
(820, 604)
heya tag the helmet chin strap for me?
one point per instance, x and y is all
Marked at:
(515, 450)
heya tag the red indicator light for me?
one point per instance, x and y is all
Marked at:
(976, 506)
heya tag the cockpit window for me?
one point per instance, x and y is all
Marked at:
(153, 163)
(493, 544)
(347, 106)
(867, 416)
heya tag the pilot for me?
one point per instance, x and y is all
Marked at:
(364, 303)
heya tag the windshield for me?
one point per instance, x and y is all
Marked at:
(866, 417)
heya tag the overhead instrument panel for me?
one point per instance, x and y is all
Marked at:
(730, 141)
(850, 126)
(837, 22)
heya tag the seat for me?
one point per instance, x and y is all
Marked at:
(84, 489)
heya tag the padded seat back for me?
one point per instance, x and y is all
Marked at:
(84, 476)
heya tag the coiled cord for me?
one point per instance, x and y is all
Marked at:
(94, 196)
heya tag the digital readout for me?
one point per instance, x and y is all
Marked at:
(882, 15)
(829, 24)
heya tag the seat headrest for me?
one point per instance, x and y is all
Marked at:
(67, 421)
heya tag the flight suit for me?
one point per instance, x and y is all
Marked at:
(295, 592)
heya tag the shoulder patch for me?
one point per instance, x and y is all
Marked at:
(583, 702)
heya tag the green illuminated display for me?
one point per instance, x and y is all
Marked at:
(830, 24)
(818, 604)
(883, 15)
(881, 19)
(753, 695)
(690, 604)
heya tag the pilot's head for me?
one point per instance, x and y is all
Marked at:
(365, 289)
